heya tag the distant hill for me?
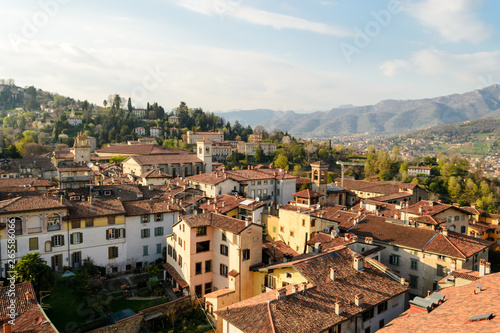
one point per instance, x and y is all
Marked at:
(388, 116)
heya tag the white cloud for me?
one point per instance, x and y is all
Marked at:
(234, 9)
(442, 65)
(454, 20)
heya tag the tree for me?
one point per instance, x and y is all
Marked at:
(117, 159)
(33, 268)
(259, 154)
(281, 162)
(129, 105)
(454, 187)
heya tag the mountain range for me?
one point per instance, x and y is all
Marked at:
(385, 117)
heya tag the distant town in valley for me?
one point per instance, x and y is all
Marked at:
(168, 218)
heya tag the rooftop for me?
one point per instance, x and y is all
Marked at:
(223, 222)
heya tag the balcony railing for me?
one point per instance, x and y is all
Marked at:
(34, 230)
(54, 227)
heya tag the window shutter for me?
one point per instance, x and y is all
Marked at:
(71, 239)
(52, 245)
(220, 269)
(116, 251)
(62, 240)
(107, 234)
(110, 252)
(52, 261)
(81, 237)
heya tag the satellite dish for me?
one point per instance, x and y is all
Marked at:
(257, 199)
(90, 164)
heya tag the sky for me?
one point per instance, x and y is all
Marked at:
(224, 55)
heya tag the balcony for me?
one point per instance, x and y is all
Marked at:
(54, 227)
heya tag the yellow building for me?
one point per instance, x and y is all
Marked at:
(484, 225)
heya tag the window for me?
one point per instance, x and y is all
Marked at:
(33, 243)
(111, 234)
(413, 281)
(246, 254)
(395, 248)
(53, 222)
(145, 250)
(269, 281)
(282, 229)
(75, 224)
(288, 275)
(291, 233)
(159, 217)
(223, 270)
(303, 222)
(224, 250)
(89, 223)
(112, 252)
(76, 238)
(224, 238)
(201, 231)
(180, 242)
(457, 218)
(394, 260)
(414, 264)
(158, 248)
(368, 314)
(111, 220)
(440, 257)
(144, 233)
(180, 260)
(368, 329)
(382, 307)
(174, 255)
(208, 287)
(274, 229)
(159, 231)
(313, 223)
(462, 229)
(145, 218)
(57, 240)
(259, 182)
(202, 246)
(107, 193)
(208, 266)
(197, 290)
(198, 268)
(253, 182)
(381, 323)
(272, 182)
(440, 270)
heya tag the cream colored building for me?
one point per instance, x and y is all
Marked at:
(213, 254)
(250, 147)
(193, 137)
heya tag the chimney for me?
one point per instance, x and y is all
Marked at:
(302, 287)
(347, 237)
(473, 205)
(333, 233)
(482, 267)
(332, 274)
(368, 240)
(10, 196)
(445, 230)
(339, 308)
(151, 187)
(358, 300)
(91, 200)
(361, 204)
(488, 268)
(317, 247)
(295, 288)
(420, 210)
(478, 290)
(358, 263)
(61, 200)
(281, 293)
(7, 328)
(453, 265)
(248, 221)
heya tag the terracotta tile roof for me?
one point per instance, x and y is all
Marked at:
(223, 204)
(307, 194)
(183, 284)
(314, 309)
(8, 166)
(319, 163)
(109, 207)
(481, 226)
(33, 321)
(24, 182)
(30, 203)
(220, 292)
(233, 273)
(466, 274)
(453, 245)
(155, 173)
(344, 218)
(329, 212)
(302, 180)
(73, 168)
(215, 220)
(460, 304)
(327, 241)
(457, 245)
(65, 155)
(431, 208)
(166, 159)
(427, 219)
(142, 207)
(276, 250)
(212, 178)
(419, 167)
(35, 161)
(140, 149)
(392, 196)
(24, 299)
(217, 177)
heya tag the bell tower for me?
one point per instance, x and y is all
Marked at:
(319, 177)
(204, 153)
(81, 149)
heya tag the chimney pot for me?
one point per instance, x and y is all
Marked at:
(445, 230)
(339, 308)
(358, 263)
(478, 290)
(332, 274)
(368, 240)
(295, 289)
(358, 300)
(482, 267)
(281, 293)
(488, 268)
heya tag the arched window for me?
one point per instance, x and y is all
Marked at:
(53, 222)
(48, 246)
(18, 229)
(34, 224)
